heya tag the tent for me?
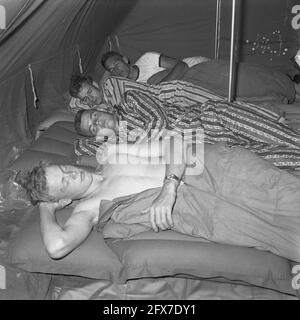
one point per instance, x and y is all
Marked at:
(43, 42)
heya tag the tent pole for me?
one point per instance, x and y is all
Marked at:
(217, 29)
(230, 89)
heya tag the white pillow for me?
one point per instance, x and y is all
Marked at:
(191, 61)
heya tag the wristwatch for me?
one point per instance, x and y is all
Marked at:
(173, 177)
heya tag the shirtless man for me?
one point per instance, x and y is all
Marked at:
(54, 186)
(238, 199)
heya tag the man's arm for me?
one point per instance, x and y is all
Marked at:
(147, 107)
(162, 206)
(178, 155)
(153, 148)
(177, 67)
(149, 113)
(59, 241)
(132, 153)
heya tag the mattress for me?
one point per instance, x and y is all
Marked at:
(170, 288)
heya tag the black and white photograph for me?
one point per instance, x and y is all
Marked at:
(149, 153)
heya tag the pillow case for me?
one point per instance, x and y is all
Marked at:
(57, 115)
(196, 259)
(92, 259)
(55, 145)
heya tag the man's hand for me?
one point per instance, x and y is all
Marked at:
(106, 134)
(162, 206)
(103, 153)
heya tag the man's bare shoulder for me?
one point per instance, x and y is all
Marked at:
(89, 204)
(87, 209)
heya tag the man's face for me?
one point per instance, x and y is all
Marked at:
(117, 67)
(93, 121)
(67, 182)
(90, 94)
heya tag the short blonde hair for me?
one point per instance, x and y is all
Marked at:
(35, 183)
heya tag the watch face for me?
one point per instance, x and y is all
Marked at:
(172, 177)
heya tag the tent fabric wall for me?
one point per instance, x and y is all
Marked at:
(187, 28)
(263, 30)
(175, 27)
(48, 36)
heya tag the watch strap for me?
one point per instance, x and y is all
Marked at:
(173, 177)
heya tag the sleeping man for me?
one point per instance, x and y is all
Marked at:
(229, 196)
(235, 123)
(149, 64)
(254, 82)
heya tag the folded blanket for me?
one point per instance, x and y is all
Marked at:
(256, 205)
(253, 82)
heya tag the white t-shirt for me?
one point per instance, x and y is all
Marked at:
(148, 64)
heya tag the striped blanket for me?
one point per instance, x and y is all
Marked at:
(180, 93)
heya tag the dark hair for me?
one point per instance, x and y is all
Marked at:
(76, 83)
(108, 55)
(35, 183)
(77, 121)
